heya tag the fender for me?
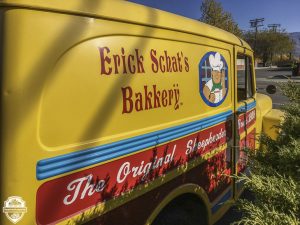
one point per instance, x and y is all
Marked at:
(271, 121)
(267, 118)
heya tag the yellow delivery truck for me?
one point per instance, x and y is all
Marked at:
(118, 114)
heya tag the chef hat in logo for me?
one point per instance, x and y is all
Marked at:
(216, 62)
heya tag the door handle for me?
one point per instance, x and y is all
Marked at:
(241, 111)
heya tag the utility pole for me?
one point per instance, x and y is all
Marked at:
(255, 23)
(274, 26)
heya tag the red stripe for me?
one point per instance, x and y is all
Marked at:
(56, 199)
(247, 120)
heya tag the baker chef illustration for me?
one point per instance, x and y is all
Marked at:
(214, 89)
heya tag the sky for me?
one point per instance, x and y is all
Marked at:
(284, 12)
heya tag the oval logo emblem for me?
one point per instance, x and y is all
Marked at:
(213, 78)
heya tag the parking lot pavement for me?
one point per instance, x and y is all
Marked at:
(266, 76)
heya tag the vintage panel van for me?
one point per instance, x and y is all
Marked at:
(118, 114)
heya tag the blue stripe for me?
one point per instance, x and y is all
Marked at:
(220, 203)
(65, 163)
(247, 107)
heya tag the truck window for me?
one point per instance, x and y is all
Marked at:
(244, 78)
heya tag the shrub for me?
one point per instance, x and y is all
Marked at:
(275, 171)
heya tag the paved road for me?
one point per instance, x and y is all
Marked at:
(264, 77)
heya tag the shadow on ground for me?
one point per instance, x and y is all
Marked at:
(233, 214)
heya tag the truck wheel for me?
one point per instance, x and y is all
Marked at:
(177, 216)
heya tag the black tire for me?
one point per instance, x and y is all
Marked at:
(177, 216)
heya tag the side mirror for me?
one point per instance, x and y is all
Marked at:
(271, 89)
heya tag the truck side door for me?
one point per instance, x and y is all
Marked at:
(245, 112)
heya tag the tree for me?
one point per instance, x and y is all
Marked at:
(213, 14)
(269, 43)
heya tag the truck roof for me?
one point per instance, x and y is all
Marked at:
(132, 13)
